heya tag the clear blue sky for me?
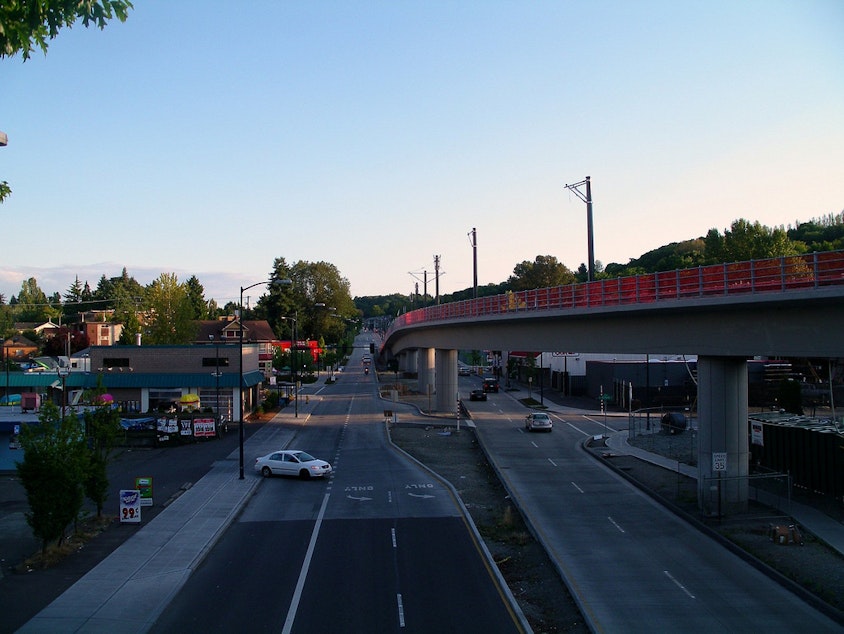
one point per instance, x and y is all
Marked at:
(208, 138)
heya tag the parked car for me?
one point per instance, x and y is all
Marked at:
(477, 395)
(673, 423)
(490, 385)
(292, 462)
(538, 421)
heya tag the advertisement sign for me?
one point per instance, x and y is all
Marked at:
(204, 428)
(144, 485)
(185, 427)
(130, 506)
(756, 436)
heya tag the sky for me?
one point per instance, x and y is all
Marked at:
(207, 138)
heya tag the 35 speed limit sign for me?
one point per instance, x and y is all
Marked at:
(719, 461)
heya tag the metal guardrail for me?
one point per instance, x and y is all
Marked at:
(780, 275)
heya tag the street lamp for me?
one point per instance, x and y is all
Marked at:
(293, 357)
(276, 282)
(63, 371)
(212, 338)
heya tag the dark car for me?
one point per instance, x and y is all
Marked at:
(490, 385)
(673, 423)
(477, 395)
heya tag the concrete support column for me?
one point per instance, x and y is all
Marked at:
(411, 363)
(723, 435)
(402, 361)
(426, 373)
(446, 380)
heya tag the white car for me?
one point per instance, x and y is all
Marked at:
(538, 421)
(292, 462)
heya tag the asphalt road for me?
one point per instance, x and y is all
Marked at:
(380, 547)
(632, 565)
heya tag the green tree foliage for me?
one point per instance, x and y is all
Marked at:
(677, 255)
(170, 312)
(820, 234)
(196, 296)
(747, 240)
(27, 24)
(31, 303)
(52, 472)
(5, 190)
(544, 271)
(318, 299)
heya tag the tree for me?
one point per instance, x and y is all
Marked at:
(543, 272)
(102, 426)
(52, 471)
(747, 241)
(32, 303)
(196, 296)
(30, 23)
(170, 312)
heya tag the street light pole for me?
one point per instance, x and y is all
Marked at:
(63, 372)
(240, 341)
(217, 378)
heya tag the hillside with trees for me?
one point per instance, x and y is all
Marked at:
(743, 240)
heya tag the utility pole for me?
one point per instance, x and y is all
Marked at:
(425, 287)
(437, 277)
(474, 242)
(587, 198)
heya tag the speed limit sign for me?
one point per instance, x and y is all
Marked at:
(719, 461)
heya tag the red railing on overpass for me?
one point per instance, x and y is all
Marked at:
(783, 274)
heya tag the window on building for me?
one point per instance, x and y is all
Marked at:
(116, 362)
(211, 362)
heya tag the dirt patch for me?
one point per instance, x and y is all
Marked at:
(85, 530)
(529, 573)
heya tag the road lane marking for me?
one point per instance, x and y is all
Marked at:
(393, 536)
(401, 610)
(614, 523)
(303, 573)
(552, 462)
(679, 585)
(576, 428)
(577, 487)
(534, 444)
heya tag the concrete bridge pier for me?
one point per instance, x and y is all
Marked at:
(410, 362)
(425, 371)
(446, 380)
(723, 445)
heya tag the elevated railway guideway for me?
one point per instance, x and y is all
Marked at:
(724, 314)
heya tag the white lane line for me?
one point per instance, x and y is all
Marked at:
(393, 536)
(614, 523)
(401, 610)
(576, 428)
(577, 487)
(534, 444)
(679, 585)
(552, 462)
(303, 573)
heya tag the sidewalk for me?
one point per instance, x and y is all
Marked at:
(128, 590)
